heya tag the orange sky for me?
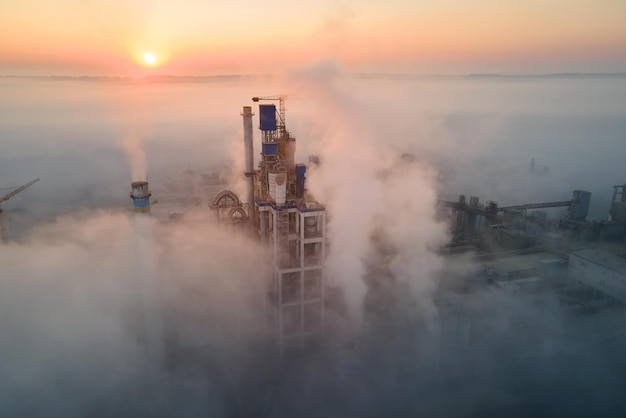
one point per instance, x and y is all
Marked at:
(242, 36)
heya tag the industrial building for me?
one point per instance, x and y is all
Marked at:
(290, 222)
(493, 228)
(517, 249)
(522, 252)
(283, 308)
(285, 219)
(601, 270)
(518, 270)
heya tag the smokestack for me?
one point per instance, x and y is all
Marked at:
(140, 193)
(247, 139)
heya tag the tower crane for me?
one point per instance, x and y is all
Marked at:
(280, 135)
(281, 110)
(3, 232)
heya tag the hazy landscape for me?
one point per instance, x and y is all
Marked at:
(68, 272)
(480, 133)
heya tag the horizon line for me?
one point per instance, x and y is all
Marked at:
(404, 75)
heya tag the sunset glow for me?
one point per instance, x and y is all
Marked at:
(397, 36)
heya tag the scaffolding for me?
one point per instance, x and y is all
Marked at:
(299, 274)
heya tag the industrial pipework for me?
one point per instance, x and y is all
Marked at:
(140, 193)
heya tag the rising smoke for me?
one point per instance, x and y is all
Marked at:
(134, 150)
(74, 312)
(381, 200)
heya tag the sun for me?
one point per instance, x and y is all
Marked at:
(149, 58)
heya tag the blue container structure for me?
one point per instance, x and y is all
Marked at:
(141, 203)
(267, 117)
(300, 175)
(269, 148)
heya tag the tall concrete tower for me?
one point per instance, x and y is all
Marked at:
(293, 226)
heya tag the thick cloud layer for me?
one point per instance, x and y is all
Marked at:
(73, 302)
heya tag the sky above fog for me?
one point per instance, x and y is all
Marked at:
(207, 37)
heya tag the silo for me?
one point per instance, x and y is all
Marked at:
(271, 181)
(580, 205)
(290, 151)
(281, 189)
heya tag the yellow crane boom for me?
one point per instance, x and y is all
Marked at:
(3, 231)
(18, 190)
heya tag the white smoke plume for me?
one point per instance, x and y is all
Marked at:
(409, 221)
(73, 309)
(370, 190)
(134, 149)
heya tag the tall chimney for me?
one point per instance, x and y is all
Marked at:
(140, 193)
(247, 139)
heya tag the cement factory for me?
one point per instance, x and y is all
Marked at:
(517, 250)
(281, 215)
(580, 259)
(520, 283)
(288, 221)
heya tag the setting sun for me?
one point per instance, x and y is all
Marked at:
(149, 58)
